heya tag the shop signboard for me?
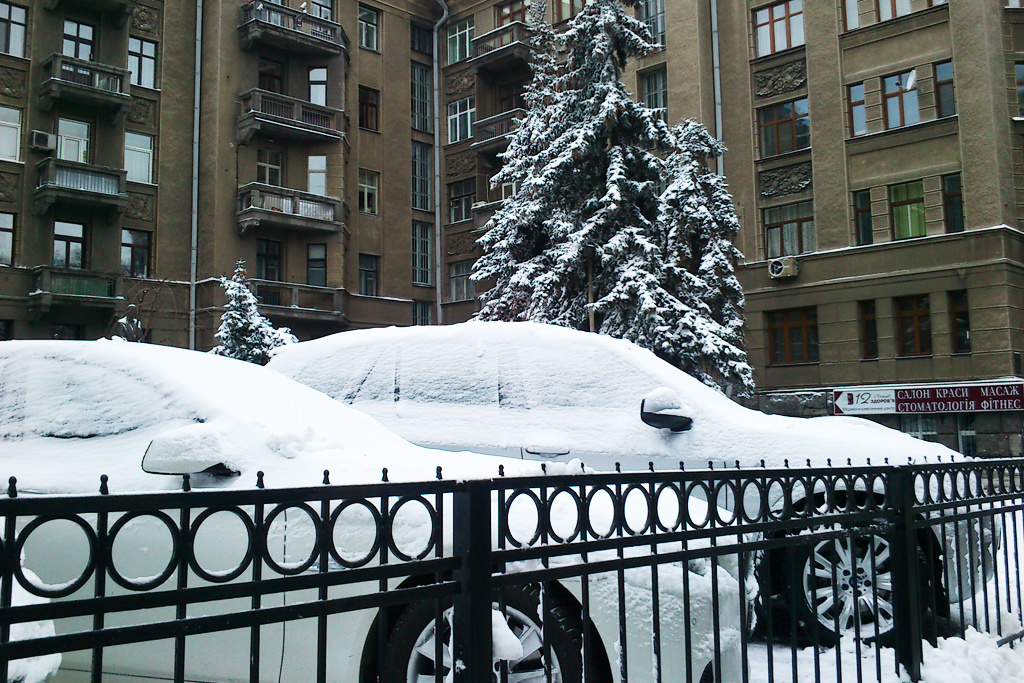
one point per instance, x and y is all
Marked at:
(961, 398)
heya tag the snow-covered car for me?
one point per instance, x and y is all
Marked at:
(71, 411)
(550, 393)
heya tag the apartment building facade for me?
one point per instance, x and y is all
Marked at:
(344, 151)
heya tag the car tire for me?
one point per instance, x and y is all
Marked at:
(408, 654)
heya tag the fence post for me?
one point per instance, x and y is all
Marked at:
(906, 577)
(471, 617)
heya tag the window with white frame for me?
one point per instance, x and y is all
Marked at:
(461, 196)
(460, 40)
(461, 285)
(73, 140)
(10, 133)
(269, 166)
(369, 190)
(422, 97)
(138, 157)
(461, 115)
(6, 240)
(652, 13)
(655, 87)
(318, 85)
(369, 27)
(422, 253)
(12, 29)
(421, 176)
(317, 170)
(422, 313)
(323, 9)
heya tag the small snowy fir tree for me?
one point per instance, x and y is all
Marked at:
(587, 233)
(244, 333)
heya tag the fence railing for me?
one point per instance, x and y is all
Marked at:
(496, 126)
(295, 295)
(289, 19)
(288, 108)
(287, 201)
(70, 282)
(716, 575)
(72, 175)
(515, 32)
(81, 72)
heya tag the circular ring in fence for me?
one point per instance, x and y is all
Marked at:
(522, 517)
(291, 568)
(879, 492)
(850, 500)
(779, 504)
(752, 503)
(961, 484)
(558, 527)
(601, 512)
(627, 513)
(352, 531)
(412, 531)
(221, 575)
(149, 582)
(821, 494)
(947, 487)
(974, 481)
(862, 499)
(701, 517)
(799, 493)
(664, 510)
(68, 587)
(726, 499)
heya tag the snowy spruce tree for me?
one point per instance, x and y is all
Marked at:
(587, 233)
(244, 333)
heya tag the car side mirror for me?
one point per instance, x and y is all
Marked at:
(664, 411)
(191, 449)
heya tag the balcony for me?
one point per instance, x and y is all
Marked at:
(504, 49)
(267, 23)
(491, 135)
(291, 301)
(79, 81)
(74, 183)
(280, 207)
(120, 9)
(80, 288)
(280, 116)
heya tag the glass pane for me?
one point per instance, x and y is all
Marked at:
(860, 120)
(910, 110)
(778, 346)
(796, 345)
(807, 233)
(764, 41)
(796, 30)
(790, 239)
(774, 239)
(6, 247)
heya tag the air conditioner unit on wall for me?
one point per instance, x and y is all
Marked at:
(785, 267)
(42, 141)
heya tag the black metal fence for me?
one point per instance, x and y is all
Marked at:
(696, 576)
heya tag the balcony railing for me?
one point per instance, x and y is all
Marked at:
(84, 82)
(77, 183)
(296, 296)
(289, 29)
(496, 126)
(66, 282)
(288, 117)
(259, 203)
(505, 48)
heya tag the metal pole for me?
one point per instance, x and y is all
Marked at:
(471, 618)
(906, 594)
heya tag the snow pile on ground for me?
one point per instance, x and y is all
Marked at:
(975, 658)
(32, 669)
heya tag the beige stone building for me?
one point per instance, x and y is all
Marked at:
(343, 149)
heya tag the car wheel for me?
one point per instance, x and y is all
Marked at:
(410, 654)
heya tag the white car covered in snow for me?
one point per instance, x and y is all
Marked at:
(71, 411)
(549, 393)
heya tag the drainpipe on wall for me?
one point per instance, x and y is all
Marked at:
(716, 70)
(194, 252)
(439, 257)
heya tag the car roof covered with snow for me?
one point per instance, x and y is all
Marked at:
(71, 411)
(500, 387)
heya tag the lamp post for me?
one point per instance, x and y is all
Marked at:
(589, 250)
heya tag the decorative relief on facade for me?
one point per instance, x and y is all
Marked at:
(142, 112)
(145, 19)
(781, 79)
(458, 83)
(788, 180)
(12, 82)
(462, 243)
(8, 187)
(462, 163)
(140, 206)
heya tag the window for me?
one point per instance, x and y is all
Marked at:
(369, 190)
(923, 427)
(509, 12)
(868, 329)
(6, 239)
(78, 40)
(422, 313)
(317, 174)
(318, 85)
(945, 97)
(966, 435)
(369, 25)
(960, 321)
(421, 176)
(510, 97)
(138, 157)
(422, 253)
(461, 196)
(784, 128)
(779, 27)
(369, 108)
(907, 203)
(271, 76)
(889, 9)
(793, 336)
(460, 40)
(652, 13)
(142, 62)
(68, 245)
(268, 166)
(789, 230)
(134, 253)
(12, 29)
(862, 217)
(461, 115)
(851, 14)
(422, 97)
(458, 275)
(316, 265)
(1018, 71)
(953, 202)
(421, 39)
(914, 325)
(858, 110)
(900, 98)
(567, 9)
(10, 133)
(655, 89)
(268, 260)
(369, 269)
(73, 140)
(324, 9)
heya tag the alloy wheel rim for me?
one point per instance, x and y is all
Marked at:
(848, 584)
